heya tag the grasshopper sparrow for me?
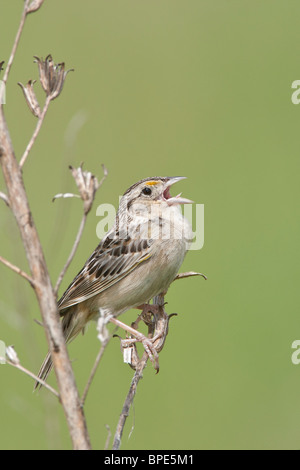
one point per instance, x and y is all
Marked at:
(136, 260)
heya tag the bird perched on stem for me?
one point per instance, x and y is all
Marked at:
(136, 260)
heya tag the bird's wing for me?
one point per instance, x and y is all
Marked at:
(112, 260)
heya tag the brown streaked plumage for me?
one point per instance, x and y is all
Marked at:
(137, 259)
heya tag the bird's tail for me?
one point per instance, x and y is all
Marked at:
(71, 328)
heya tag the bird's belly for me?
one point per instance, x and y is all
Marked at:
(151, 278)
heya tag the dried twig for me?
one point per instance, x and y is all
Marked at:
(87, 184)
(104, 336)
(36, 131)
(94, 369)
(52, 78)
(43, 290)
(108, 437)
(31, 374)
(157, 327)
(71, 255)
(18, 271)
(129, 400)
(16, 42)
(42, 285)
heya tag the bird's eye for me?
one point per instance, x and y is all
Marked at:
(147, 191)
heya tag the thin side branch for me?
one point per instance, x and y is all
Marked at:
(88, 185)
(104, 336)
(94, 369)
(105, 174)
(129, 400)
(72, 254)
(17, 270)
(32, 375)
(36, 132)
(108, 437)
(158, 327)
(16, 42)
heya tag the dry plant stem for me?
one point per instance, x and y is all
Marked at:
(36, 131)
(17, 270)
(78, 236)
(138, 375)
(94, 369)
(35, 377)
(108, 437)
(128, 401)
(40, 277)
(17, 39)
(42, 285)
(71, 255)
(43, 290)
(73, 251)
(105, 174)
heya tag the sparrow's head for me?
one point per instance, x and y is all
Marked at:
(155, 190)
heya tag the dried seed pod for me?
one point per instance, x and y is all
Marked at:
(12, 355)
(52, 76)
(87, 183)
(31, 98)
(34, 6)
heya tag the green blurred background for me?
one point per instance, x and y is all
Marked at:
(198, 88)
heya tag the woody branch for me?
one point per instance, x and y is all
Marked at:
(18, 203)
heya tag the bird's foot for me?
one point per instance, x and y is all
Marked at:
(148, 343)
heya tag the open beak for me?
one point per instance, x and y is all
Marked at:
(177, 199)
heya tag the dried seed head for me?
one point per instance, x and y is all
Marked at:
(12, 355)
(30, 97)
(1, 65)
(87, 183)
(34, 5)
(52, 76)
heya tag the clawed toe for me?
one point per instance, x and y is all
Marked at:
(157, 330)
(148, 345)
